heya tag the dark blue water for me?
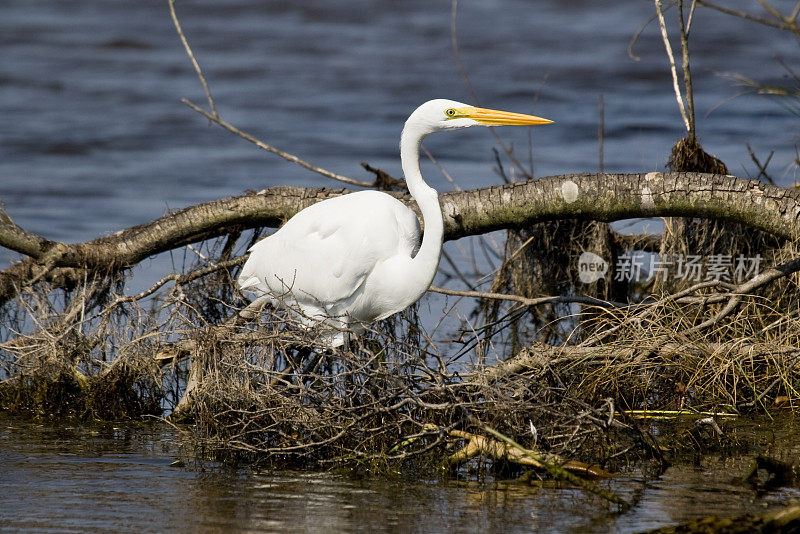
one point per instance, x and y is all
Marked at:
(93, 137)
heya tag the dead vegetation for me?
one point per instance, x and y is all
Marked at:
(548, 371)
(562, 379)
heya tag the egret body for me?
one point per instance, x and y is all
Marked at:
(358, 258)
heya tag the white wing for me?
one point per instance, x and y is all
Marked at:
(324, 254)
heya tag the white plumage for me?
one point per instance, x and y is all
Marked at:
(354, 259)
(330, 262)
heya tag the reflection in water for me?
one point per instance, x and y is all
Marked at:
(105, 478)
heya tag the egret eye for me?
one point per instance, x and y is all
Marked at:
(450, 112)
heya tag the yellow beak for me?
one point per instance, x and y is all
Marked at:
(493, 117)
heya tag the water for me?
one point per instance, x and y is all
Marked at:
(93, 139)
(121, 478)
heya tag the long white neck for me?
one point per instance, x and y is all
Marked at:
(425, 263)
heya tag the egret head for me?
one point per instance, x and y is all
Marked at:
(441, 114)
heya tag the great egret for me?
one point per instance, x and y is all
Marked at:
(357, 258)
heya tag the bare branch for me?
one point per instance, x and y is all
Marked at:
(269, 148)
(562, 299)
(771, 10)
(764, 278)
(538, 356)
(687, 75)
(762, 168)
(188, 49)
(668, 47)
(213, 116)
(20, 240)
(744, 15)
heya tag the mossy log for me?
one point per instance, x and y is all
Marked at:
(602, 197)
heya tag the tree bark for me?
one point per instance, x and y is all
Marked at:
(603, 197)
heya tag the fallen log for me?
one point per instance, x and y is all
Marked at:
(602, 197)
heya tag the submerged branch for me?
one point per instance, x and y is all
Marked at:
(559, 472)
(478, 445)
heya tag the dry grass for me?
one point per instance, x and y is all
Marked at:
(727, 350)
(257, 390)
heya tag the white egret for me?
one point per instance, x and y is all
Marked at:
(357, 258)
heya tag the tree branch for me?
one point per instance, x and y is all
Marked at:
(269, 148)
(780, 24)
(539, 355)
(602, 197)
(525, 301)
(196, 66)
(668, 47)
